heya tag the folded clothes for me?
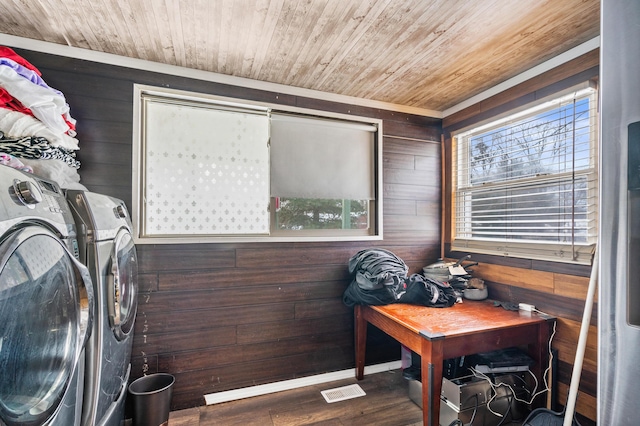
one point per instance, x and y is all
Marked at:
(16, 124)
(36, 148)
(48, 106)
(57, 171)
(7, 52)
(29, 74)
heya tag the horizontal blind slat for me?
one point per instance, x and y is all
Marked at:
(529, 178)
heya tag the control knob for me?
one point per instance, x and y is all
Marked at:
(120, 211)
(28, 192)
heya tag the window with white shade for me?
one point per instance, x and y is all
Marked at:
(217, 169)
(322, 175)
(206, 169)
(526, 184)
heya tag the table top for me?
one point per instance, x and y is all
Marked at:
(463, 318)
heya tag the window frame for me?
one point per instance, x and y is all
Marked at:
(573, 252)
(375, 231)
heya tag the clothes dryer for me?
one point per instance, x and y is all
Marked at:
(106, 247)
(46, 304)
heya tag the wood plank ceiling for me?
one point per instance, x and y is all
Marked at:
(429, 54)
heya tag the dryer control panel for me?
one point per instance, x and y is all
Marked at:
(25, 197)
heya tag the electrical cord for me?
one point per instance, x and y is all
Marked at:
(524, 383)
(506, 413)
(513, 396)
(475, 409)
(533, 393)
(458, 422)
(546, 371)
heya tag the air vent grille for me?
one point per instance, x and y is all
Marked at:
(342, 393)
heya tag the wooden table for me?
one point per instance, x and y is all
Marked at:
(466, 328)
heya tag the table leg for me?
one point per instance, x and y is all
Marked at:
(360, 340)
(431, 365)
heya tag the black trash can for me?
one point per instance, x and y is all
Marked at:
(152, 399)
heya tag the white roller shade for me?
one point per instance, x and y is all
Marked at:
(322, 158)
(207, 168)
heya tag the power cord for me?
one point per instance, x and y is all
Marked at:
(513, 396)
(475, 409)
(504, 416)
(458, 422)
(533, 393)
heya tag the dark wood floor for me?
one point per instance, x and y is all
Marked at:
(386, 403)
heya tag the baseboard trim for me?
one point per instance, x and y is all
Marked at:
(235, 394)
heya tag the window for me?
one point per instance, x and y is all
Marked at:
(218, 169)
(526, 184)
(205, 169)
(319, 182)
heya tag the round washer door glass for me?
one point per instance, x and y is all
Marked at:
(123, 288)
(40, 317)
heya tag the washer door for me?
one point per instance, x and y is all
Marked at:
(46, 311)
(123, 285)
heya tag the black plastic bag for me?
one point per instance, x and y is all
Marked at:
(421, 290)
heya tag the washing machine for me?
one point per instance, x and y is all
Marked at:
(106, 248)
(46, 304)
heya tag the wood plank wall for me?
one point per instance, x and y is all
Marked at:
(227, 316)
(556, 288)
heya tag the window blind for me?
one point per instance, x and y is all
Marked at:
(202, 171)
(527, 185)
(206, 168)
(322, 158)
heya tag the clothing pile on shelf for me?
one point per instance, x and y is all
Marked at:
(37, 132)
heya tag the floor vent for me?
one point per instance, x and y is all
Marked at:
(342, 393)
